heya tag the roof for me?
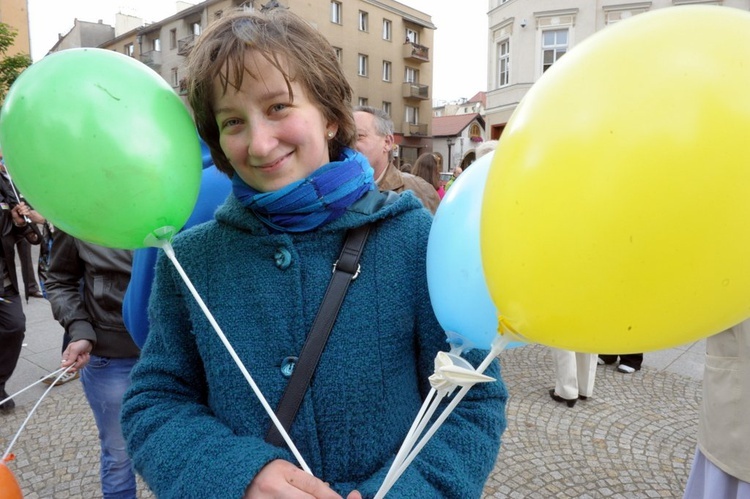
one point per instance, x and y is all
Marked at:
(448, 126)
(480, 97)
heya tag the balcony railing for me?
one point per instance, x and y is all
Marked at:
(152, 59)
(416, 52)
(415, 91)
(184, 45)
(415, 129)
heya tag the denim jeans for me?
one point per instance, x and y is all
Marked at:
(104, 383)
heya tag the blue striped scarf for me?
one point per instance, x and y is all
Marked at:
(314, 201)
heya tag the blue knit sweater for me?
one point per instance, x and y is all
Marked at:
(193, 425)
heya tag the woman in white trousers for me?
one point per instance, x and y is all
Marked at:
(575, 374)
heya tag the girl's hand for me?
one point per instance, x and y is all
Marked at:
(282, 479)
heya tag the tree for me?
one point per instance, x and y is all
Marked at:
(10, 66)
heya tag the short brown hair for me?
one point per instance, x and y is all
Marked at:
(279, 36)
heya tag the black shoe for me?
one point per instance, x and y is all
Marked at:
(582, 397)
(36, 294)
(558, 398)
(8, 405)
(606, 359)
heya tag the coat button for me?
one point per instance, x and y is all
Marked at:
(283, 258)
(287, 366)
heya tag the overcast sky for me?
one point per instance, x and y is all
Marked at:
(459, 54)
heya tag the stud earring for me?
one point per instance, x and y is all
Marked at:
(330, 134)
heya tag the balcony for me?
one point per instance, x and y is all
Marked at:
(415, 91)
(185, 45)
(416, 52)
(152, 59)
(414, 129)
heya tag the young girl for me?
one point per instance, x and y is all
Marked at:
(426, 167)
(272, 103)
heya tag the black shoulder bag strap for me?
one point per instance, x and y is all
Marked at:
(345, 270)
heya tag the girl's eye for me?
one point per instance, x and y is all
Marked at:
(278, 107)
(230, 122)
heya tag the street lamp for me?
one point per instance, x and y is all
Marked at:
(450, 141)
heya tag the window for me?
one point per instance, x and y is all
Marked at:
(475, 132)
(387, 30)
(362, 101)
(554, 46)
(412, 36)
(387, 108)
(339, 54)
(362, 69)
(195, 28)
(336, 12)
(503, 63)
(618, 13)
(128, 50)
(173, 39)
(412, 115)
(175, 79)
(411, 75)
(386, 71)
(156, 44)
(363, 21)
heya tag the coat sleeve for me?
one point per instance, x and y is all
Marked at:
(66, 270)
(175, 441)
(460, 456)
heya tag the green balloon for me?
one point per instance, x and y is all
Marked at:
(102, 147)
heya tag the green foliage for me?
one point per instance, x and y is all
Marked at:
(10, 66)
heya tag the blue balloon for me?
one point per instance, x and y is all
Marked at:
(455, 277)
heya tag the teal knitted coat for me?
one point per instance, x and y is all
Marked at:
(193, 425)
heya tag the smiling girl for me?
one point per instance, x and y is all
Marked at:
(272, 103)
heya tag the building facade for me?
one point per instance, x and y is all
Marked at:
(455, 139)
(15, 13)
(384, 48)
(84, 34)
(527, 36)
(458, 128)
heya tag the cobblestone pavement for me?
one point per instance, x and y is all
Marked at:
(634, 438)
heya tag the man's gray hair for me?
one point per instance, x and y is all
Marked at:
(383, 122)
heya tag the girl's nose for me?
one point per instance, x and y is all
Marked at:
(261, 139)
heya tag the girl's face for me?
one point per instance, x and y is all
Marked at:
(269, 140)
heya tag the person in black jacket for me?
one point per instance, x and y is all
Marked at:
(85, 285)
(15, 224)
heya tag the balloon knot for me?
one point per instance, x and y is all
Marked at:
(503, 327)
(9, 458)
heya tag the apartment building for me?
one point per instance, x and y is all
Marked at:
(384, 48)
(15, 13)
(527, 36)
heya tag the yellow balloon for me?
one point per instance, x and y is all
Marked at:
(616, 214)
